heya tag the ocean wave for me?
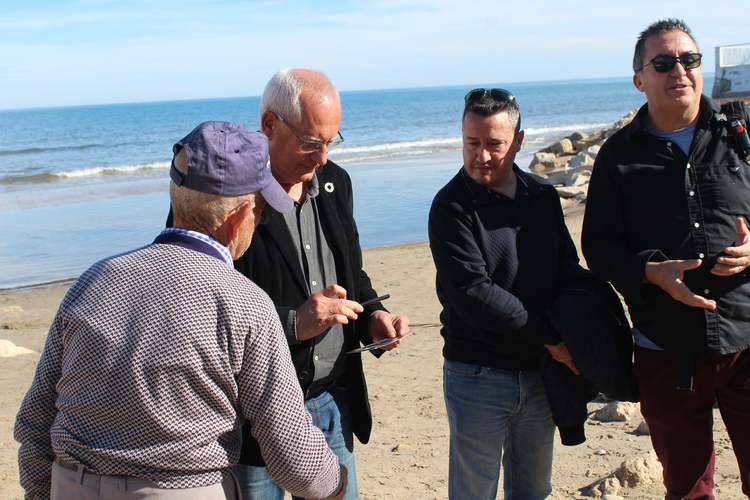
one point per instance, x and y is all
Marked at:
(423, 144)
(33, 151)
(564, 128)
(87, 172)
(73, 147)
(352, 154)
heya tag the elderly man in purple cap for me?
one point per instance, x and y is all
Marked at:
(157, 355)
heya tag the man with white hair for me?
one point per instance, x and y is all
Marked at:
(157, 355)
(309, 262)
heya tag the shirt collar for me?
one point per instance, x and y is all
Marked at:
(639, 124)
(223, 251)
(312, 189)
(482, 194)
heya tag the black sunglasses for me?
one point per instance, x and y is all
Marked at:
(664, 63)
(500, 95)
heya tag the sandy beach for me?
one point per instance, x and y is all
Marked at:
(407, 457)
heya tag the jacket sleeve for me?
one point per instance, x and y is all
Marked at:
(603, 239)
(287, 314)
(365, 290)
(36, 416)
(271, 400)
(463, 278)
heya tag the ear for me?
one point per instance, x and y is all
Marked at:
(637, 82)
(268, 124)
(235, 219)
(519, 139)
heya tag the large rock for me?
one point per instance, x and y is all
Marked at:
(642, 429)
(542, 162)
(579, 140)
(562, 147)
(640, 471)
(616, 411)
(578, 192)
(568, 176)
(593, 150)
(8, 349)
(600, 488)
(581, 160)
(562, 177)
(581, 178)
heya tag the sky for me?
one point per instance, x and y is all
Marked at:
(63, 52)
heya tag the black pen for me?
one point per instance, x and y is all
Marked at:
(376, 299)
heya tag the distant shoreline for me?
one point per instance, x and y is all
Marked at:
(343, 92)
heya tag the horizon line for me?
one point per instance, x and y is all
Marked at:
(158, 101)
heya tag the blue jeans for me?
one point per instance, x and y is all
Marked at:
(497, 414)
(331, 414)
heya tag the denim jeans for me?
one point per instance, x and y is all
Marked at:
(331, 414)
(497, 415)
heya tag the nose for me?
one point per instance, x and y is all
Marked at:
(483, 155)
(321, 154)
(679, 68)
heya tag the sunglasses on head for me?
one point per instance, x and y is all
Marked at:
(500, 95)
(664, 63)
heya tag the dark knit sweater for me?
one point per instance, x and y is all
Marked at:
(500, 263)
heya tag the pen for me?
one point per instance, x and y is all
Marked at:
(376, 299)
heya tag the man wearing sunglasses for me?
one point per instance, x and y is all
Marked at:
(309, 262)
(501, 250)
(666, 223)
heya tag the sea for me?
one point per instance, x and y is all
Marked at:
(78, 184)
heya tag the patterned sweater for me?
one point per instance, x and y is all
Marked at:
(151, 364)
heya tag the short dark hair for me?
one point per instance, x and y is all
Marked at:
(662, 26)
(488, 106)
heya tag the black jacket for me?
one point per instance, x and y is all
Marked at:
(272, 263)
(589, 317)
(649, 201)
(500, 263)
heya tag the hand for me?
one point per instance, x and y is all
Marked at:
(324, 309)
(339, 494)
(668, 276)
(561, 354)
(386, 325)
(737, 257)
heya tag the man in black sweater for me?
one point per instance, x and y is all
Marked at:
(502, 251)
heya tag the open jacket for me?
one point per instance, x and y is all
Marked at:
(272, 263)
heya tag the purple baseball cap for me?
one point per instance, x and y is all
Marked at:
(227, 159)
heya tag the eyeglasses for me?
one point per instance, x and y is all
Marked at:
(664, 63)
(310, 144)
(500, 95)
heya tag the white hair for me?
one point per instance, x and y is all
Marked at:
(281, 95)
(198, 211)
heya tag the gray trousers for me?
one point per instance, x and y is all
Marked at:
(69, 484)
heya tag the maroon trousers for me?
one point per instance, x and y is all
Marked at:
(681, 422)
